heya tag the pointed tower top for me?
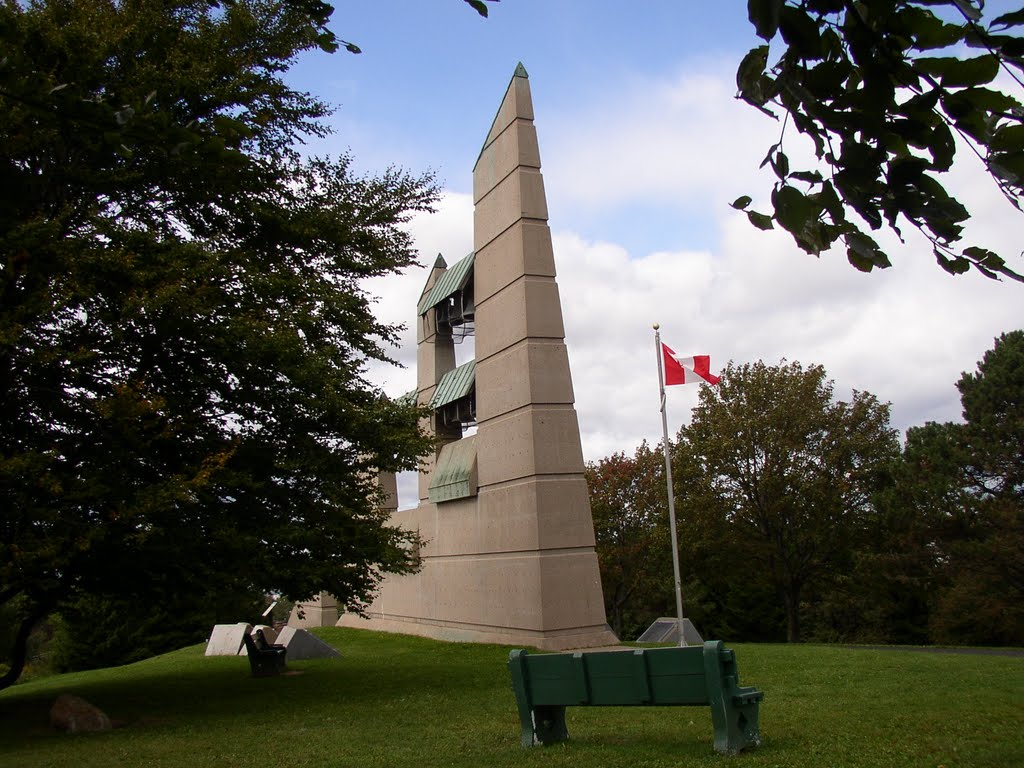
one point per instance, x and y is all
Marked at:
(439, 268)
(516, 105)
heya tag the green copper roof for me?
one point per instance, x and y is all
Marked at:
(454, 385)
(451, 281)
(520, 71)
(455, 473)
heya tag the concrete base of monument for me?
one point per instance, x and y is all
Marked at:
(558, 640)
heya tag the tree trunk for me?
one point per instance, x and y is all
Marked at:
(617, 612)
(792, 600)
(616, 620)
(19, 651)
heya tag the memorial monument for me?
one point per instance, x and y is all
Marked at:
(508, 553)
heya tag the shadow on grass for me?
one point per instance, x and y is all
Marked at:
(376, 677)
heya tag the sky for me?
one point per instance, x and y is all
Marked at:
(643, 147)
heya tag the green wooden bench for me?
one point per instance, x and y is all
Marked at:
(545, 684)
(265, 659)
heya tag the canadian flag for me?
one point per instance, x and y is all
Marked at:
(686, 370)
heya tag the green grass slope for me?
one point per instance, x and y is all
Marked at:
(401, 701)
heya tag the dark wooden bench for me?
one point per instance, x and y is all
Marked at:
(545, 684)
(265, 659)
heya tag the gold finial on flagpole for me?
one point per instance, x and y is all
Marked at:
(657, 326)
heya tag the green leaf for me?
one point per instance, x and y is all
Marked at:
(829, 201)
(1008, 166)
(1009, 47)
(811, 177)
(780, 164)
(931, 32)
(984, 257)
(1008, 138)
(863, 244)
(973, 100)
(942, 147)
(906, 170)
(748, 75)
(764, 15)
(759, 220)
(955, 266)
(826, 78)
(793, 209)
(479, 6)
(327, 42)
(859, 261)
(960, 73)
(1012, 19)
(801, 32)
(921, 106)
(741, 202)
(866, 250)
(768, 157)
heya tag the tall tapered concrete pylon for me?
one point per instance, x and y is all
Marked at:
(509, 554)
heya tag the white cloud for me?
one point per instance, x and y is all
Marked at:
(681, 139)
(904, 334)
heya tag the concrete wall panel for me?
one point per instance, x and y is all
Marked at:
(519, 195)
(529, 308)
(515, 146)
(541, 375)
(571, 585)
(517, 104)
(530, 441)
(522, 249)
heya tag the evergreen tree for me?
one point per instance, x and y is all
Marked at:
(979, 533)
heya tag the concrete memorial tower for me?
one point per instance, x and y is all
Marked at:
(509, 540)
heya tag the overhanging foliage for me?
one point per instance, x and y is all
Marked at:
(183, 331)
(883, 88)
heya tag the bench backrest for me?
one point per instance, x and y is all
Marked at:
(656, 676)
(250, 644)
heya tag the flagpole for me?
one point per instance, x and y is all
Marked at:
(668, 482)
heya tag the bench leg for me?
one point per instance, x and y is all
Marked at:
(736, 726)
(267, 665)
(549, 725)
(539, 724)
(733, 708)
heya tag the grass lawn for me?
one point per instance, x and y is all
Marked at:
(397, 701)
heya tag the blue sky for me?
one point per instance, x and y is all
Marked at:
(418, 94)
(643, 146)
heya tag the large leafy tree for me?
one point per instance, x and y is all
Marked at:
(628, 503)
(183, 332)
(786, 471)
(886, 90)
